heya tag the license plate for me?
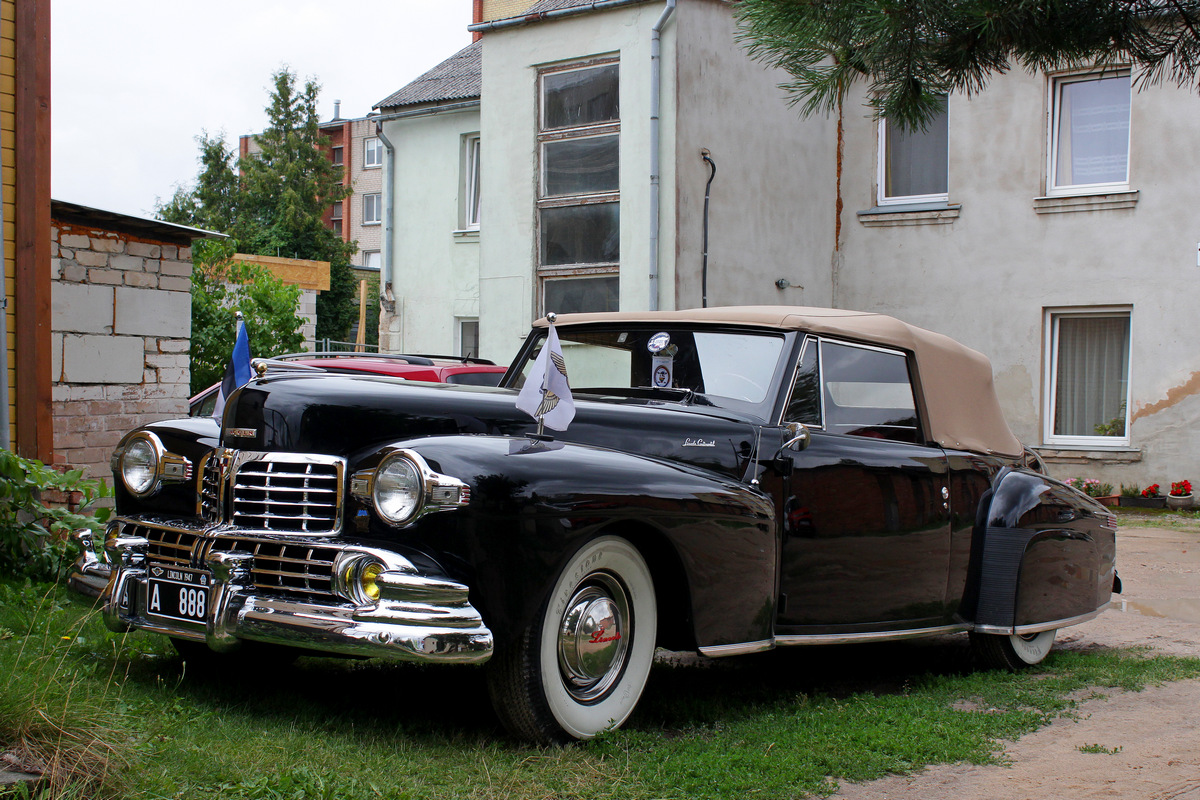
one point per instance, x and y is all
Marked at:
(177, 593)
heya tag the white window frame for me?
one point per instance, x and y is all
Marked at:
(1053, 110)
(459, 322)
(366, 259)
(471, 181)
(882, 198)
(1051, 317)
(372, 153)
(337, 155)
(377, 197)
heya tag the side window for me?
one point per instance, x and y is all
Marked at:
(867, 393)
(804, 405)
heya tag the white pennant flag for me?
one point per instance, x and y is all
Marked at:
(546, 395)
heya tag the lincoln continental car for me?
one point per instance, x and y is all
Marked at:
(732, 480)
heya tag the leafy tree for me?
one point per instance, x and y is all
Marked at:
(273, 204)
(213, 203)
(912, 51)
(222, 287)
(286, 189)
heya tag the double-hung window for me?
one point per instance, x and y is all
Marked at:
(1089, 134)
(913, 164)
(372, 209)
(1087, 365)
(579, 209)
(372, 152)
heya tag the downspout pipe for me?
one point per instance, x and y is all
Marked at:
(386, 293)
(655, 145)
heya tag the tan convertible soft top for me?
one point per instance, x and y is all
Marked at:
(955, 381)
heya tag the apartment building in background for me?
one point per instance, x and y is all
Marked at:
(1049, 221)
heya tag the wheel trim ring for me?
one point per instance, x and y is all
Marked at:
(592, 659)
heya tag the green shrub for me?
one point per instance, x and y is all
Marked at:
(35, 540)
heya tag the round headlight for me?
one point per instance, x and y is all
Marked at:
(397, 493)
(139, 466)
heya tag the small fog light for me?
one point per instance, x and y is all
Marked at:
(366, 581)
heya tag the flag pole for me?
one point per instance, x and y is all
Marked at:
(551, 317)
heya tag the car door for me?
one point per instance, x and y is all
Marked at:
(866, 533)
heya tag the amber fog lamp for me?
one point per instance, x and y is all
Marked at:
(366, 581)
(139, 467)
(397, 490)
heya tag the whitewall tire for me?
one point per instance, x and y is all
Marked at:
(581, 665)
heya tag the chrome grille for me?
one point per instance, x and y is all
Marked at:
(167, 545)
(210, 486)
(286, 568)
(293, 569)
(281, 492)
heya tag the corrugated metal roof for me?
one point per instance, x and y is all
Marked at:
(456, 78)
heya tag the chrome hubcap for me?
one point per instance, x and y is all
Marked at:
(593, 637)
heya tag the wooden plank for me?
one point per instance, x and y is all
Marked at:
(300, 272)
(34, 423)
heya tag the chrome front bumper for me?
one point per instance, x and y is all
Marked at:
(416, 618)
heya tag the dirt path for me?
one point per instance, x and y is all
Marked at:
(1151, 739)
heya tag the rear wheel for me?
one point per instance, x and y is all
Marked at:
(998, 651)
(580, 666)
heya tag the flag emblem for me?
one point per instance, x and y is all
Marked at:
(546, 395)
(237, 371)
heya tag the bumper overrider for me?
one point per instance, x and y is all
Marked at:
(226, 585)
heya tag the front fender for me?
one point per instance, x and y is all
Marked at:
(1042, 556)
(191, 438)
(709, 540)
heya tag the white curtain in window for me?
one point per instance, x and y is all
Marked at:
(917, 162)
(1092, 373)
(1093, 132)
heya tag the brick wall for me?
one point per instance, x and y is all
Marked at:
(121, 327)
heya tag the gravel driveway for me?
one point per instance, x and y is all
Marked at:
(1156, 730)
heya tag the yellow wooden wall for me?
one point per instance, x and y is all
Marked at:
(499, 9)
(8, 71)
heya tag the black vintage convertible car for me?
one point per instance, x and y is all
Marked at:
(733, 480)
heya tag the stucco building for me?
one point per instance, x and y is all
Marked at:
(1050, 221)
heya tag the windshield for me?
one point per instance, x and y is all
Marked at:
(721, 368)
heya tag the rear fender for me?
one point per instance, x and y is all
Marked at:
(1042, 556)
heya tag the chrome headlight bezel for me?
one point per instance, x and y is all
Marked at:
(141, 447)
(432, 491)
(397, 491)
(163, 466)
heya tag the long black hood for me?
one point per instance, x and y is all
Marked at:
(352, 416)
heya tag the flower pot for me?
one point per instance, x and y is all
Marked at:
(1143, 502)
(1179, 501)
(1110, 500)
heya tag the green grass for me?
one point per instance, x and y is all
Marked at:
(782, 724)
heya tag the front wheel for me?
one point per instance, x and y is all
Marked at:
(998, 651)
(580, 666)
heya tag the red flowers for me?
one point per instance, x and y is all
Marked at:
(1181, 488)
(1150, 491)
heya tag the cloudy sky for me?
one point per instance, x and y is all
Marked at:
(135, 81)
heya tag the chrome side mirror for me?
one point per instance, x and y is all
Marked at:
(798, 437)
